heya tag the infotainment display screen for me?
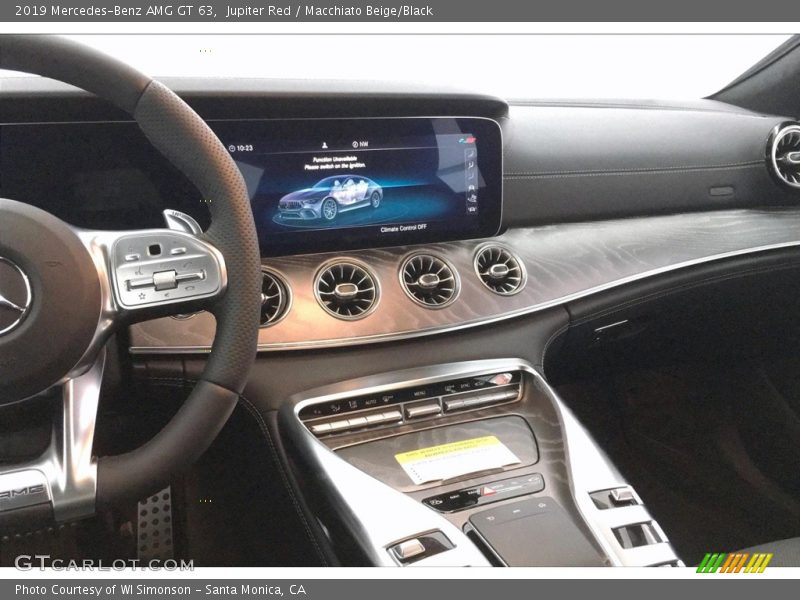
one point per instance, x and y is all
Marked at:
(332, 184)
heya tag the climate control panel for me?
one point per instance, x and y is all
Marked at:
(412, 403)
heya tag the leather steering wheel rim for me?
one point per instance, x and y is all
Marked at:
(190, 145)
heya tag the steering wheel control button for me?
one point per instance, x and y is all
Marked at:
(184, 277)
(165, 280)
(186, 268)
(137, 284)
(495, 491)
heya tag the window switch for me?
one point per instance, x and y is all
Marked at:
(408, 549)
(623, 497)
(423, 546)
(639, 534)
(614, 498)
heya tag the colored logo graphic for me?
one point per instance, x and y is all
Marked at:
(739, 562)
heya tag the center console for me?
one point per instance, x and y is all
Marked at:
(475, 463)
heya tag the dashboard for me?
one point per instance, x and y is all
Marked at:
(388, 213)
(421, 251)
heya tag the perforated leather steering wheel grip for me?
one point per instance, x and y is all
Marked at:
(189, 144)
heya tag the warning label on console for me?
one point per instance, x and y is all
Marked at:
(456, 459)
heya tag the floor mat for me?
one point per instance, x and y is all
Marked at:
(694, 441)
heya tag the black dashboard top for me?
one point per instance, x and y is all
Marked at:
(565, 160)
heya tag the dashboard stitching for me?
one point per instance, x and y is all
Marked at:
(636, 171)
(550, 340)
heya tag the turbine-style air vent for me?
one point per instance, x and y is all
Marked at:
(346, 290)
(275, 298)
(500, 270)
(784, 154)
(429, 281)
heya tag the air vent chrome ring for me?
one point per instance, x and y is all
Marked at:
(783, 153)
(276, 297)
(429, 280)
(346, 289)
(500, 270)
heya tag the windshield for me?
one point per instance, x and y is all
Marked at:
(510, 66)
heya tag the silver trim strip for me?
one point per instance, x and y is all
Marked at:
(403, 335)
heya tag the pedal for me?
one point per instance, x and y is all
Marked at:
(154, 530)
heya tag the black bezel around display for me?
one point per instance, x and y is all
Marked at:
(284, 133)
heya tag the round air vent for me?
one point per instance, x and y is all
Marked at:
(429, 280)
(500, 270)
(784, 154)
(346, 290)
(275, 298)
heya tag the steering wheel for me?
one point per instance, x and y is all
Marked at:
(64, 291)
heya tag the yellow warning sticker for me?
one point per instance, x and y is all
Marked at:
(455, 459)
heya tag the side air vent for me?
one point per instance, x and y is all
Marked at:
(784, 154)
(429, 280)
(346, 290)
(275, 298)
(500, 270)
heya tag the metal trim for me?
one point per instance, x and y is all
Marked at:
(405, 335)
(456, 279)
(589, 469)
(352, 262)
(524, 272)
(284, 281)
(778, 132)
(25, 310)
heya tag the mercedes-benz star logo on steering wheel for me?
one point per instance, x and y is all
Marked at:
(15, 296)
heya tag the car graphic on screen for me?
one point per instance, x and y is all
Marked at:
(329, 197)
